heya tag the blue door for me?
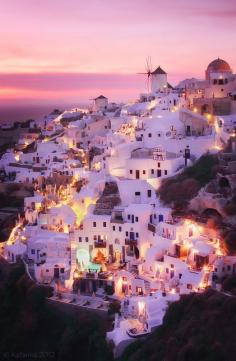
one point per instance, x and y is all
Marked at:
(161, 218)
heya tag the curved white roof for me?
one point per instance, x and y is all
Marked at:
(163, 121)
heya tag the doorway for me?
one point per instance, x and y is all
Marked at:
(56, 272)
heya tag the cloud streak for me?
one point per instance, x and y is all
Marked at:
(61, 46)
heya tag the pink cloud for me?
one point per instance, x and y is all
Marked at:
(101, 44)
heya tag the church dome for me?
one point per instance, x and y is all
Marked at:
(219, 66)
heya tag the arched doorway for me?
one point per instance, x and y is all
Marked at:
(223, 182)
(56, 271)
(212, 213)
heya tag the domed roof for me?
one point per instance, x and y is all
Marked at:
(219, 66)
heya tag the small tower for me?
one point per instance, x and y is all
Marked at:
(158, 80)
(100, 103)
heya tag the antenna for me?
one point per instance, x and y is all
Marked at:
(148, 68)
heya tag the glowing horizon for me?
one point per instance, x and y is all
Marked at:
(72, 51)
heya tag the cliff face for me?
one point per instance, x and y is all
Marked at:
(219, 195)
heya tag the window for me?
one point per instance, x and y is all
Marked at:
(62, 270)
(215, 269)
(113, 228)
(223, 269)
(222, 89)
(95, 237)
(149, 193)
(139, 290)
(171, 266)
(80, 239)
(94, 224)
(32, 251)
(86, 239)
(215, 81)
(136, 219)
(152, 171)
(137, 235)
(158, 164)
(104, 224)
(149, 135)
(126, 233)
(144, 172)
(228, 268)
(130, 171)
(128, 216)
(189, 286)
(221, 81)
(165, 172)
(137, 193)
(167, 270)
(120, 228)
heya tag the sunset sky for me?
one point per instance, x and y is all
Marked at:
(72, 50)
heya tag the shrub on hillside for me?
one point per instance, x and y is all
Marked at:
(179, 193)
(29, 324)
(230, 208)
(114, 307)
(230, 242)
(229, 283)
(198, 327)
(179, 190)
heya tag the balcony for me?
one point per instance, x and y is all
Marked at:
(117, 220)
(152, 227)
(100, 244)
(131, 242)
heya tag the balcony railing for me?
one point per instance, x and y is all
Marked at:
(130, 242)
(100, 244)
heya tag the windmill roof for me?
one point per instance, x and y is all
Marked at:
(158, 70)
(101, 97)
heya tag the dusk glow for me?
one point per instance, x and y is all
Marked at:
(73, 50)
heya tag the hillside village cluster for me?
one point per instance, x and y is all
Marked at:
(95, 224)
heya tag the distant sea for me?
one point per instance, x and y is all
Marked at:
(10, 114)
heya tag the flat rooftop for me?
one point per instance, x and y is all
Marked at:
(146, 153)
